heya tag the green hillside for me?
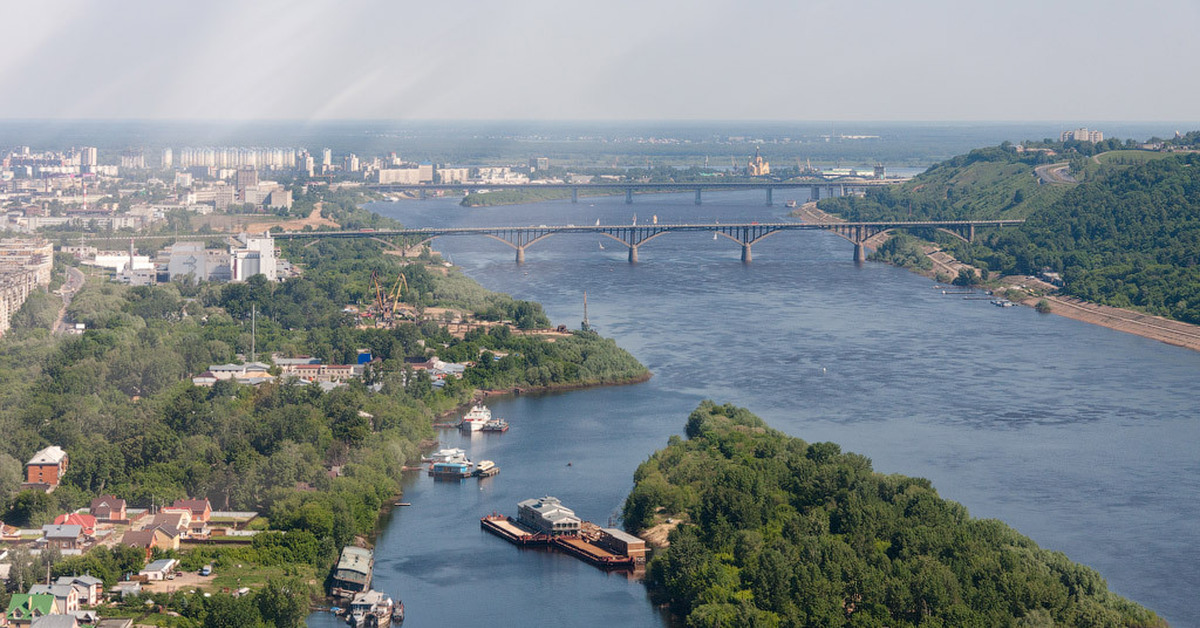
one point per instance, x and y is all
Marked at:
(781, 532)
(1127, 235)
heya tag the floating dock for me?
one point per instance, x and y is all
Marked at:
(510, 531)
(579, 546)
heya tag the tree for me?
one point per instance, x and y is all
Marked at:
(226, 611)
(283, 603)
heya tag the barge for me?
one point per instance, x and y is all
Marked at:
(546, 522)
(353, 573)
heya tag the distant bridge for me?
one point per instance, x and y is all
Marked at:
(634, 235)
(818, 188)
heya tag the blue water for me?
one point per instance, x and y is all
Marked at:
(1077, 436)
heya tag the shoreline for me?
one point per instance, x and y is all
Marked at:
(1164, 330)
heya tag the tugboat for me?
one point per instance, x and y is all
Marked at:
(495, 425)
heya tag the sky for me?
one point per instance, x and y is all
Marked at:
(935, 60)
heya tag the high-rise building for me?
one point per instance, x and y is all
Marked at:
(327, 158)
(1082, 135)
(246, 177)
(168, 158)
(539, 163)
(88, 156)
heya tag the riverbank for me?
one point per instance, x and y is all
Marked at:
(945, 268)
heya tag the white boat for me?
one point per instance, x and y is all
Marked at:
(474, 420)
(374, 605)
(446, 455)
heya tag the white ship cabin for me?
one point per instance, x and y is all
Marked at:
(548, 516)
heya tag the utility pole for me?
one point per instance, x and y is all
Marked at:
(253, 330)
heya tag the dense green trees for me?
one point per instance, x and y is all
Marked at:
(320, 465)
(1128, 236)
(782, 532)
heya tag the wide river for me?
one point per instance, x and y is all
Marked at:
(1082, 438)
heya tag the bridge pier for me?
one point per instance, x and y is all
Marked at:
(816, 193)
(746, 256)
(629, 196)
(422, 197)
(574, 195)
(770, 201)
(860, 253)
(697, 196)
(971, 232)
(520, 255)
(633, 255)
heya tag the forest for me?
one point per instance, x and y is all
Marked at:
(1128, 235)
(779, 532)
(319, 464)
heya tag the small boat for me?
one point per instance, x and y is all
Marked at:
(790, 204)
(714, 236)
(373, 608)
(597, 221)
(445, 455)
(486, 469)
(474, 420)
(601, 245)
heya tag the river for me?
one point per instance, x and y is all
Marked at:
(1077, 436)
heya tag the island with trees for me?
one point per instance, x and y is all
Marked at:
(769, 530)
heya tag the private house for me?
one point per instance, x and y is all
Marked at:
(148, 540)
(201, 508)
(56, 621)
(23, 608)
(66, 597)
(46, 468)
(64, 537)
(108, 509)
(90, 588)
(159, 569)
(173, 521)
(547, 515)
(87, 522)
(127, 588)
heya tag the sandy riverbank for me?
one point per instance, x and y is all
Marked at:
(1129, 321)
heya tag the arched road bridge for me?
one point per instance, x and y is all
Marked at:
(633, 236)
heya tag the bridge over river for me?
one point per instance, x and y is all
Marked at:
(818, 188)
(634, 236)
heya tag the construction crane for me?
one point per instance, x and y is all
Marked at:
(387, 303)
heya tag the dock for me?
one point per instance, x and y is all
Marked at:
(512, 532)
(582, 546)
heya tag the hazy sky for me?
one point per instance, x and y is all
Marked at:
(602, 59)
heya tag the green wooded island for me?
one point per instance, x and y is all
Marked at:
(768, 530)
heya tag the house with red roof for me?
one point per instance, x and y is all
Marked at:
(87, 522)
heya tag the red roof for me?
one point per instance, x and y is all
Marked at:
(87, 522)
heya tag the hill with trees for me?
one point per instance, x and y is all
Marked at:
(780, 532)
(1126, 235)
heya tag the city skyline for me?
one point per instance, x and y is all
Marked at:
(531, 59)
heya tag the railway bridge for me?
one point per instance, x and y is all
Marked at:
(818, 188)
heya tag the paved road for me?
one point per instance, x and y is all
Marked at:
(1054, 173)
(74, 282)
